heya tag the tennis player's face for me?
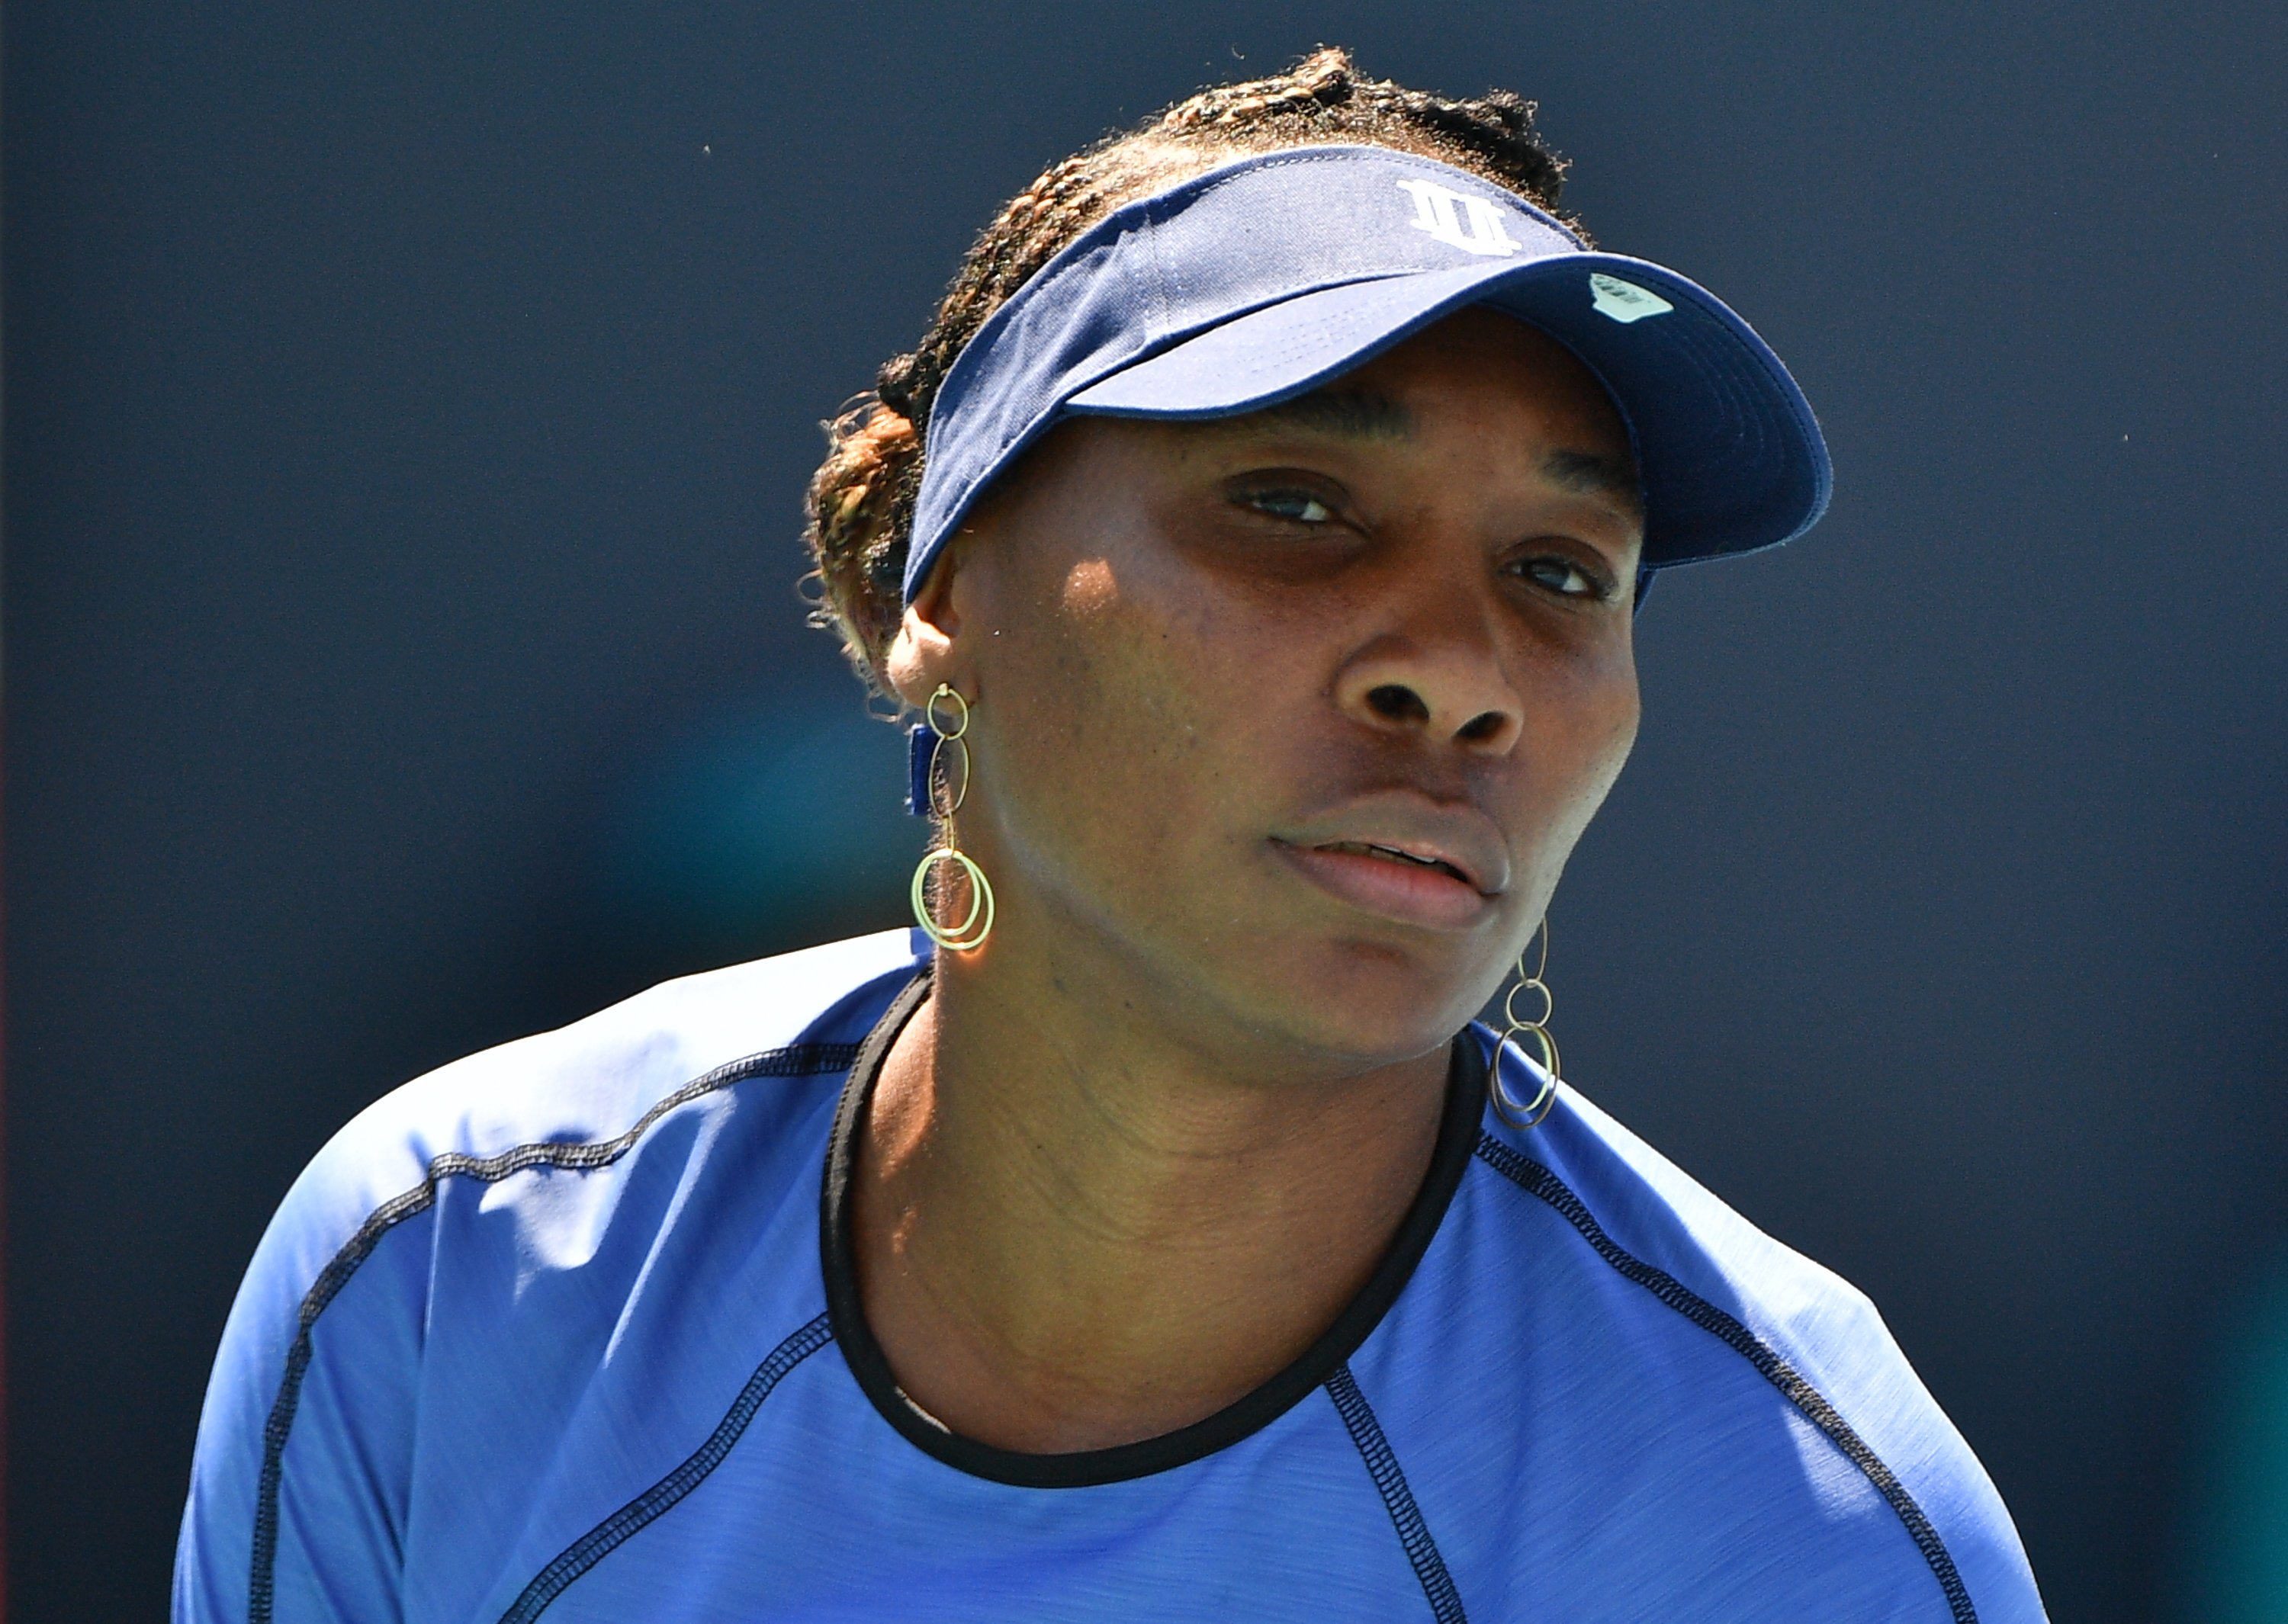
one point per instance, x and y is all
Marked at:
(1294, 717)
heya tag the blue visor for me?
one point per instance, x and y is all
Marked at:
(1262, 280)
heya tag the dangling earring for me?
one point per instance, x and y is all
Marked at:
(1530, 984)
(944, 798)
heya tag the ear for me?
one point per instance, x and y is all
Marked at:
(926, 650)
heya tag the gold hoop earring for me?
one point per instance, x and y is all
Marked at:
(945, 797)
(1529, 983)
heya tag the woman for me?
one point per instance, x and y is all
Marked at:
(1256, 535)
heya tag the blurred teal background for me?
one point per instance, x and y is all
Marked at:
(769, 824)
(2234, 1558)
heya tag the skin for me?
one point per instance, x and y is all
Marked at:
(1137, 1151)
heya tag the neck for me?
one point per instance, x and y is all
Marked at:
(1076, 1227)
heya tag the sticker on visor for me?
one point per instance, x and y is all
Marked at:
(1625, 302)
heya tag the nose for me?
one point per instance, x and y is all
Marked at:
(1442, 691)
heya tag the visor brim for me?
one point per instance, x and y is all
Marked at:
(1729, 453)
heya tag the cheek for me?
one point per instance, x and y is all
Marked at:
(1617, 738)
(1613, 714)
(1137, 670)
(1122, 700)
(1582, 744)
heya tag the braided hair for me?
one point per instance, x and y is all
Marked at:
(861, 498)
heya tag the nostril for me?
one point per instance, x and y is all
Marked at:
(1480, 728)
(1396, 702)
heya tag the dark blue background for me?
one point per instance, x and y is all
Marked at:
(407, 409)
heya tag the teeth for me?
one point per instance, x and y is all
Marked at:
(1369, 848)
(1407, 857)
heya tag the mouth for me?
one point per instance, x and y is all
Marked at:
(1400, 854)
(1414, 883)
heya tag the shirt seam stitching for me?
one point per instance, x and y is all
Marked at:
(663, 1496)
(1537, 1181)
(796, 1060)
(1381, 1461)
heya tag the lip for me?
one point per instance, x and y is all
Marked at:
(1404, 859)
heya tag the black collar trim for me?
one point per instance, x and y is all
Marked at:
(1457, 1134)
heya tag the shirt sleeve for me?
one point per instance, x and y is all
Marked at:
(300, 1479)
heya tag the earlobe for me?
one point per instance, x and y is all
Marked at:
(924, 653)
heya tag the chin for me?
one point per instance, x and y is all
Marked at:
(1374, 1002)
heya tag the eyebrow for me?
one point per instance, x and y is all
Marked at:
(1358, 413)
(1589, 473)
(1349, 414)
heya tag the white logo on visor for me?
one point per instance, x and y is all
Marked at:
(1459, 220)
(1625, 302)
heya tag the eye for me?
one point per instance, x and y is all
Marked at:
(1300, 506)
(1564, 577)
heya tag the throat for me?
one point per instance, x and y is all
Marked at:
(1043, 1269)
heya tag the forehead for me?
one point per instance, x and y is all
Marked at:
(1489, 354)
(1489, 372)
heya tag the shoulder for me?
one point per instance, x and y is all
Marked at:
(599, 1084)
(511, 1200)
(1811, 1339)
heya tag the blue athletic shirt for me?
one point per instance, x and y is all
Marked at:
(569, 1330)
